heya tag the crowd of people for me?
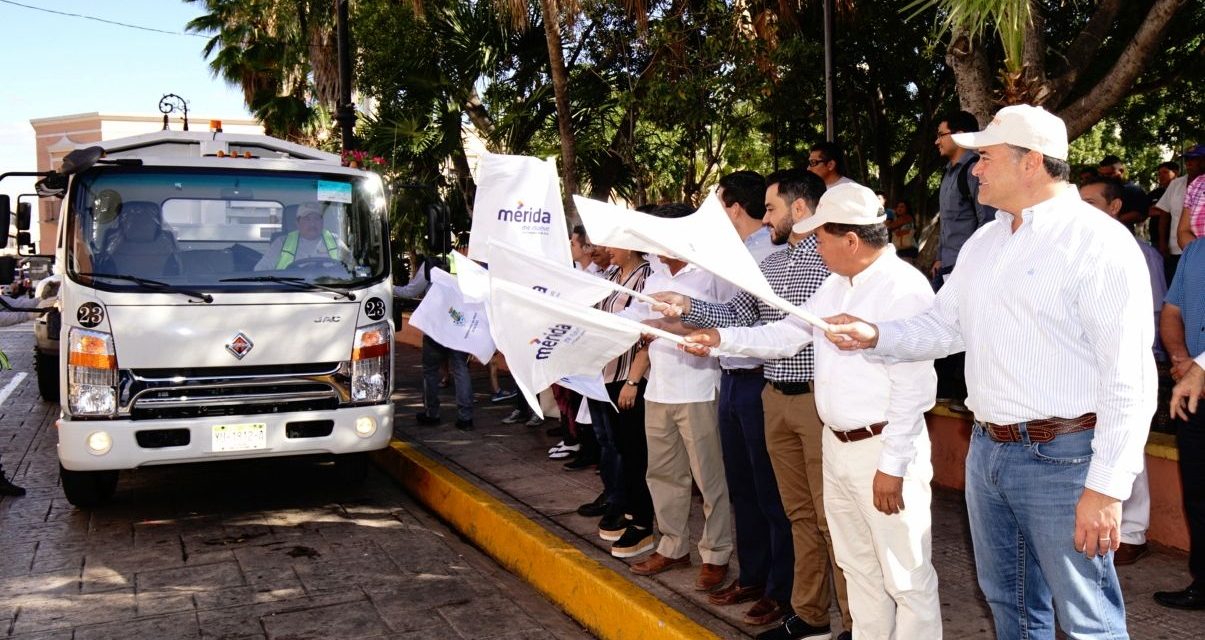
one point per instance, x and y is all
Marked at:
(1043, 316)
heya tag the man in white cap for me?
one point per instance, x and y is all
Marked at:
(876, 454)
(1051, 302)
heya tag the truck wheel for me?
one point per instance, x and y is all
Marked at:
(88, 489)
(47, 368)
(351, 469)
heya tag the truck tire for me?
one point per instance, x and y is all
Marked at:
(351, 469)
(88, 489)
(47, 368)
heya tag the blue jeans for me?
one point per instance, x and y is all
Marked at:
(434, 355)
(1021, 498)
(610, 467)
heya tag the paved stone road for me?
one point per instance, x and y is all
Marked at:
(268, 550)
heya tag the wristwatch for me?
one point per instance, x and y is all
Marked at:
(631, 383)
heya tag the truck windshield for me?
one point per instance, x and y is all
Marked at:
(223, 230)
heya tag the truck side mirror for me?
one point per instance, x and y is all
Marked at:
(24, 213)
(5, 215)
(24, 239)
(438, 228)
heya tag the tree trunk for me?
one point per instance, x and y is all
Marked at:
(972, 77)
(1088, 109)
(479, 115)
(560, 87)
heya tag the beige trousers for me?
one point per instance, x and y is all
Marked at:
(684, 442)
(793, 440)
(887, 559)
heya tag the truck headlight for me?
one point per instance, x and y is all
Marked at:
(370, 363)
(91, 373)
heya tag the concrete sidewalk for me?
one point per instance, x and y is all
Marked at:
(507, 468)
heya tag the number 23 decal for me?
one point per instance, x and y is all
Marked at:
(90, 314)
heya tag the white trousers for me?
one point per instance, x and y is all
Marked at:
(1136, 511)
(887, 560)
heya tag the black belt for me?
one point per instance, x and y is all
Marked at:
(744, 372)
(792, 388)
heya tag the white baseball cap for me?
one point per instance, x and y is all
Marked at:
(1022, 125)
(848, 203)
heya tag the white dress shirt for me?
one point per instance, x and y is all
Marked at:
(676, 377)
(855, 389)
(1056, 323)
(760, 245)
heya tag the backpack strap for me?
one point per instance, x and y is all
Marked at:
(964, 187)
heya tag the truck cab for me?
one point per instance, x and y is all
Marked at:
(219, 297)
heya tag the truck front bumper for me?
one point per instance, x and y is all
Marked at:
(126, 452)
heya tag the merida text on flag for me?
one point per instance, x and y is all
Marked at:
(519, 201)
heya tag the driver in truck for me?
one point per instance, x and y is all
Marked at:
(308, 241)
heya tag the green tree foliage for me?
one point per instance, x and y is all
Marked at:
(667, 95)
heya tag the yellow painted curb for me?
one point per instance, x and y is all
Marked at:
(603, 601)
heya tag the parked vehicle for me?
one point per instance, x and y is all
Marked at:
(201, 319)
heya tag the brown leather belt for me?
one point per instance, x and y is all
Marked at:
(1040, 430)
(859, 433)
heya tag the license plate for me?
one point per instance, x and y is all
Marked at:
(240, 437)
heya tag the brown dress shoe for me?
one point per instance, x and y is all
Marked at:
(1129, 553)
(764, 611)
(711, 576)
(657, 563)
(735, 594)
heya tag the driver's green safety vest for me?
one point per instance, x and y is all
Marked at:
(288, 251)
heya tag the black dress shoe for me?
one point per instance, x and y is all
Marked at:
(9, 489)
(1192, 598)
(793, 627)
(426, 420)
(579, 463)
(594, 509)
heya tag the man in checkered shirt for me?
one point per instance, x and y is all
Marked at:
(792, 426)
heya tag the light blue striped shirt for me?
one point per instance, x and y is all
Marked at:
(1056, 322)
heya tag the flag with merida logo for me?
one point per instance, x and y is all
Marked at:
(546, 339)
(448, 318)
(519, 201)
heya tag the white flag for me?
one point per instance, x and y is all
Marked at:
(545, 339)
(510, 263)
(472, 278)
(589, 386)
(447, 318)
(519, 201)
(705, 238)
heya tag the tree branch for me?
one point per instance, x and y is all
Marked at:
(1082, 50)
(1088, 109)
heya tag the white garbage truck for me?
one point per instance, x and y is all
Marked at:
(222, 296)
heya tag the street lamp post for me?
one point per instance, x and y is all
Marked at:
(172, 102)
(345, 112)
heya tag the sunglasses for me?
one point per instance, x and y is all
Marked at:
(812, 163)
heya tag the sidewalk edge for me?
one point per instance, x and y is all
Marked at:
(602, 600)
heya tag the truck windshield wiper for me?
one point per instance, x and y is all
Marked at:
(300, 283)
(152, 284)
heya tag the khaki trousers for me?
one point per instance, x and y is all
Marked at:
(793, 437)
(684, 442)
(886, 559)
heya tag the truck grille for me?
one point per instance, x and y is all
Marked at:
(202, 393)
